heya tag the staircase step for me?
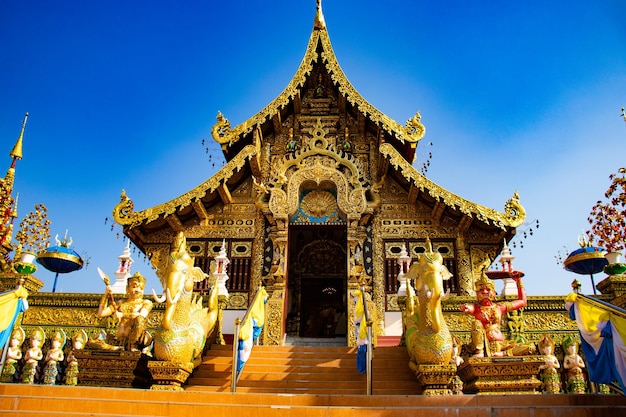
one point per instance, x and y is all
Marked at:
(221, 350)
(24, 400)
(295, 369)
(310, 341)
(387, 341)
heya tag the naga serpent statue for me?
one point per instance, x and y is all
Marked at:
(427, 336)
(182, 334)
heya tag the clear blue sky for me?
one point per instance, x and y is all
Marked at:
(514, 95)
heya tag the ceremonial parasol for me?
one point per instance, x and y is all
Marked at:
(586, 260)
(60, 259)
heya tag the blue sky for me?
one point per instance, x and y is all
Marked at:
(514, 96)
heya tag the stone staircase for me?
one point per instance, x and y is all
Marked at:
(294, 381)
(21, 400)
(316, 370)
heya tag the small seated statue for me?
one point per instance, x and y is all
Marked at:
(14, 355)
(33, 355)
(457, 359)
(71, 371)
(573, 364)
(54, 358)
(456, 386)
(487, 338)
(131, 314)
(550, 380)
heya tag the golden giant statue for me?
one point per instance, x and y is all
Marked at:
(131, 313)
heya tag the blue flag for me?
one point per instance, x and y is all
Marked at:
(602, 335)
(251, 329)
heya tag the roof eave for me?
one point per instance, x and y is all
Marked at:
(124, 215)
(513, 216)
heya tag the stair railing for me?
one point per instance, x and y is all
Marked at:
(238, 323)
(369, 353)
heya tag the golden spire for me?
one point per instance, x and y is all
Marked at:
(16, 152)
(8, 205)
(319, 22)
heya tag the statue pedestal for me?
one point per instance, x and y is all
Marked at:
(435, 380)
(169, 376)
(9, 281)
(615, 287)
(507, 375)
(113, 368)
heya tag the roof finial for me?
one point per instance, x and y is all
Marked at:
(16, 152)
(319, 22)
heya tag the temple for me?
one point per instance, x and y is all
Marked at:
(320, 221)
(318, 175)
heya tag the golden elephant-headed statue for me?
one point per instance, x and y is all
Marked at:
(427, 336)
(182, 334)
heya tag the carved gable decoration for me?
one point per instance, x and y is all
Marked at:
(318, 164)
(318, 206)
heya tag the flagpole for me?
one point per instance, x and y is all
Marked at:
(5, 350)
(235, 374)
(369, 353)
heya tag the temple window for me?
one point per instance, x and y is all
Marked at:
(414, 248)
(239, 270)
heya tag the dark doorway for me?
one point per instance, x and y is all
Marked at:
(317, 275)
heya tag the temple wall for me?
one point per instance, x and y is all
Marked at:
(464, 246)
(71, 312)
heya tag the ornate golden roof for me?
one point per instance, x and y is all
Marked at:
(243, 143)
(318, 48)
(411, 133)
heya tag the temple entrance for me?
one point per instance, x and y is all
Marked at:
(317, 281)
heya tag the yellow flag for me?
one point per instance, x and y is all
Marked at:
(8, 304)
(257, 312)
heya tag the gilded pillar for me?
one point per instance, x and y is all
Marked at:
(275, 306)
(273, 330)
(356, 273)
(353, 285)
(378, 277)
(258, 249)
(464, 268)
